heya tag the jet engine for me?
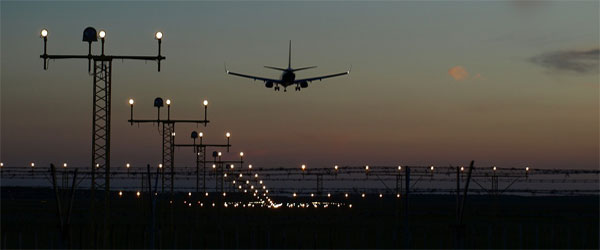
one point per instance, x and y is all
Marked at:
(304, 84)
(269, 84)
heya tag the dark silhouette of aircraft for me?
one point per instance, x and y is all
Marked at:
(287, 77)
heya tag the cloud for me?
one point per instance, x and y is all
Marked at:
(574, 61)
(459, 73)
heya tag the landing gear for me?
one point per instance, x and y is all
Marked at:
(298, 88)
(276, 88)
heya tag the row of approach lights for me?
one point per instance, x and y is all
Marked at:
(303, 167)
(101, 34)
(89, 36)
(346, 195)
(336, 167)
(138, 194)
(158, 103)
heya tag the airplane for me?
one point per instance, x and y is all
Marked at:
(288, 77)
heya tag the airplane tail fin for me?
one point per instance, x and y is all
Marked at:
(290, 56)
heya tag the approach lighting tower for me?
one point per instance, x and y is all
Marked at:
(168, 137)
(102, 80)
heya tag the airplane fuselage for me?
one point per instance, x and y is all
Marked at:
(287, 78)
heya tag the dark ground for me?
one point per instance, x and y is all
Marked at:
(29, 220)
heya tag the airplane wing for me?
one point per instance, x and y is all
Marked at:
(254, 77)
(321, 77)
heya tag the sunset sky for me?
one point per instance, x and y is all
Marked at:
(506, 83)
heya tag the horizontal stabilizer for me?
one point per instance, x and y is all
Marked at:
(275, 68)
(298, 69)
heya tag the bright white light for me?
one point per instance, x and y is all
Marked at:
(431, 168)
(462, 168)
(189, 193)
(64, 165)
(335, 167)
(127, 165)
(380, 195)
(32, 164)
(200, 134)
(228, 134)
(255, 175)
(363, 195)
(303, 167)
(1, 164)
(158, 35)
(168, 102)
(205, 103)
(120, 193)
(173, 134)
(206, 194)
(219, 154)
(224, 194)
(131, 101)
(367, 167)
(346, 195)
(214, 166)
(494, 168)
(250, 166)
(241, 153)
(328, 195)
(138, 193)
(44, 33)
(294, 195)
(399, 168)
(159, 165)
(527, 169)
(232, 166)
(312, 195)
(102, 33)
(398, 195)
